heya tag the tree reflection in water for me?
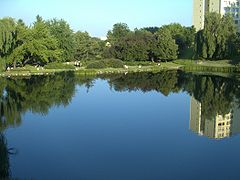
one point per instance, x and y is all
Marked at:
(4, 158)
(38, 94)
(217, 98)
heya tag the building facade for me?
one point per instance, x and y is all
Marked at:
(202, 7)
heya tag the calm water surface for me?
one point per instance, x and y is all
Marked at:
(167, 125)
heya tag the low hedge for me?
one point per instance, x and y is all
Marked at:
(139, 63)
(106, 63)
(97, 65)
(55, 65)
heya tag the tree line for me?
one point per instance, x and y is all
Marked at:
(44, 42)
(53, 40)
(149, 44)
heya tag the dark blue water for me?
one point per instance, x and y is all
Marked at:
(104, 133)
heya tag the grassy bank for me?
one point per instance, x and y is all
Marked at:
(223, 66)
(129, 67)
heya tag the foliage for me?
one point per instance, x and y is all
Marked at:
(107, 63)
(8, 39)
(61, 30)
(139, 63)
(184, 36)
(87, 47)
(143, 45)
(97, 65)
(165, 47)
(216, 40)
(119, 30)
(57, 65)
(2, 65)
(7, 36)
(153, 30)
(133, 47)
(38, 47)
(54, 41)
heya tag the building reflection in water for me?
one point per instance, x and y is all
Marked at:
(218, 127)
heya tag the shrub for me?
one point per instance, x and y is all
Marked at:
(55, 65)
(96, 65)
(106, 63)
(114, 63)
(139, 63)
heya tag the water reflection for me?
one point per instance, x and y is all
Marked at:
(93, 131)
(4, 158)
(37, 95)
(219, 126)
(214, 99)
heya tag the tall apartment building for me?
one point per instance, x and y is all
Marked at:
(218, 127)
(201, 7)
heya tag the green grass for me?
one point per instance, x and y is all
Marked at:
(224, 66)
(220, 63)
(184, 62)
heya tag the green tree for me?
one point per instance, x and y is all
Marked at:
(7, 39)
(184, 36)
(38, 46)
(7, 36)
(61, 30)
(135, 46)
(119, 31)
(153, 30)
(216, 40)
(165, 47)
(87, 47)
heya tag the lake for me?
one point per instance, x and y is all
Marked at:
(167, 125)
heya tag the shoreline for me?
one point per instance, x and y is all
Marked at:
(177, 65)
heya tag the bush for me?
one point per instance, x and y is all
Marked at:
(106, 63)
(139, 63)
(114, 63)
(55, 65)
(28, 67)
(97, 65)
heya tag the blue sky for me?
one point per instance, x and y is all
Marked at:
(98, 16)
